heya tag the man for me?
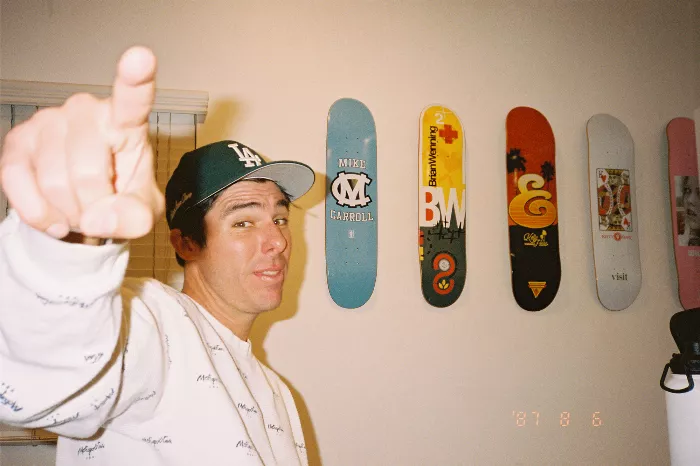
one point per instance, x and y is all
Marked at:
(131, 372)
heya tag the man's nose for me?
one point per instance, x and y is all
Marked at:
(275, 241)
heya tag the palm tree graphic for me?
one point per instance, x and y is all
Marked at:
(515, 162)
(547, 172)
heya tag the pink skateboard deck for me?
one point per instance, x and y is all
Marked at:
(685, 208)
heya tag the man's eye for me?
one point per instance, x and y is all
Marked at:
(281, 221)
(242, 224)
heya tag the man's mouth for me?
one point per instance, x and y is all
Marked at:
(270, 275)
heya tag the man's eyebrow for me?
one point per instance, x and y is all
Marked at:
(232, 207)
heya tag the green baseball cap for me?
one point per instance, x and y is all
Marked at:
(210, 169)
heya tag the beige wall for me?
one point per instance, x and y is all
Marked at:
(399, 382)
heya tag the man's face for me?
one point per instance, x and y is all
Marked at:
(248, 244)
(691, 201)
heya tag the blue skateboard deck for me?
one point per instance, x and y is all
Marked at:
(351, 203)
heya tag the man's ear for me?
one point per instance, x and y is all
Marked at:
(184, 246)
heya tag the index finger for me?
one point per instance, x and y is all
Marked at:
(134, 88)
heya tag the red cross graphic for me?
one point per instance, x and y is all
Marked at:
(448, 134)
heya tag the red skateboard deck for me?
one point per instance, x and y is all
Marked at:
(532, 209)
(685, 208)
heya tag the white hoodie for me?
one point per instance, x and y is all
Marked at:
(129, 372)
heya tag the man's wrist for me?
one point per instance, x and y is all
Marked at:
(78, 238)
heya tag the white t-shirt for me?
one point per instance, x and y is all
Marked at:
(129, 372)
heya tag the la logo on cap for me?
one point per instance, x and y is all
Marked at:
(250, 158)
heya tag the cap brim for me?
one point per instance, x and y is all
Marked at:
(295, 178)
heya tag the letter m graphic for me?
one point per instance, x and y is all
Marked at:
(350, 189)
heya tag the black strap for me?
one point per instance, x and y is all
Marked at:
(690, 386)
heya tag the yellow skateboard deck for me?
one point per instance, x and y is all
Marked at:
(442, 207)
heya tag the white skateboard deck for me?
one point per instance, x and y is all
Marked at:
(613, 213)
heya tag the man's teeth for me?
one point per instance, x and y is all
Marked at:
(271, 273)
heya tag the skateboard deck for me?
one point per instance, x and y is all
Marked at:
(614, 224)
(685, 208)
(441, 207)
(351, 203)
(532, 209)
